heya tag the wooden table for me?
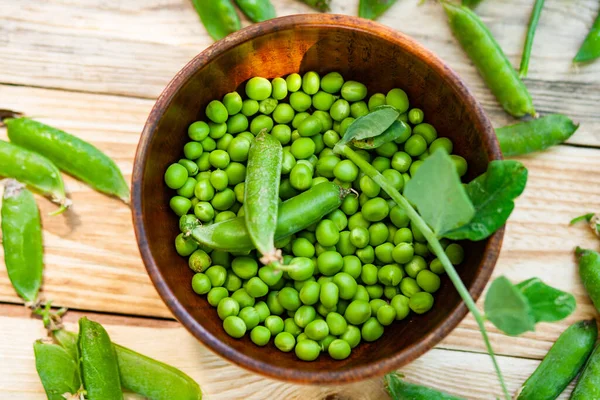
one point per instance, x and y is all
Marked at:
(94, 68)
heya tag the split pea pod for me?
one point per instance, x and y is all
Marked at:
(294, 215)
(22, 240)
(590, 48)
(218, 17)
(57, 370)
(257, 10)
(588, 386)
(490, 60)
(99, 366)
(143, 375)
(589, 271)
(34, 170)
(261, 195)
(71, 154)
(535, 135)
(533, 23)
(401, 390)
(562, 363)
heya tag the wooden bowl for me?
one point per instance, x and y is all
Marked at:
(378, 56)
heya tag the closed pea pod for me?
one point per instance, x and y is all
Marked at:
(71, 154)
(99, 364)
(588, 386)
(400, 390)
(294, 215)
(589, 271)
(218, 17)
(261, 195)
(34, 170)
(490, 60)
(535, 135)
(562, 363)
(57, 370)
(22, 240)
(257, 10)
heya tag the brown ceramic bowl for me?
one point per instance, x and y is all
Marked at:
(378, 56)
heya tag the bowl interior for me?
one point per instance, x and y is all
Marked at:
(382, 59)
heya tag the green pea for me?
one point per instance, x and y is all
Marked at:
(399, 217)
(237, 123)
(359, 237)
(369, 187)
(345, 171)
(400, 305)
(327, 233)
(204, 191)
(325, 118)
(359, 109)
(369, 274)
(290, 326)
(394, 178)
(263, 311)
(274, 324)
(250, 317)
(256, 287)
(323, 101)
(378, 234)
(374, 291)
(249, 107)
(358, 312)
(261, 122)
(339, 219)
(216, 112)
(311, 82)
(455, 253)
(201, 283)
(443, 143)
(217, 275)
(176, 176)
(224, 142)
(310, 126)
(185, 246)
(180, 205)
(300, 101)
(280, 90)
(354, 91)
(403, 253)
(267, 106)
(329, 294)
(332, 82)
(236, 173)
(198, 131)
(460, 164)
(309, 294)
(243, 298)
(287, 163)
(415, 145)
(187, 190)
(258, 88)
(427, 131)
(202, 163)
(403, 235)
(286, 191)
(409, 287)
(351, 336)
(244, 267)
(330, 138)
(398, 99)
(390, 291)
(307, 350)
(270, 275)
(376, 100)
(366, 255)
(301, 268)
(326, 165)
(345, 124)
(415, 265)
(352, 266)
(361, 294)
(375, 209)
(428, 281)
(283, 113)
(421, 250)
(350, 206)
(421, 302)
(223, 200)
(219, 180)
(273, 303)
(293, 82)
(285, 341)
(347, 285)
(339, 349)
(228, 307)
(282, 133)
(298, 119)
(217, 131)
(390, 275)
(301, 177)
(289, 299)
(329, 263)
(260, 335)
(436, 266)
(340, 110)
(304, 315)
(416, 116)
(303, 148)
(302, 247)
(336, 323)
(372, 330)
(417, 234)
(317, 330)
(381, 163)
(209, 144)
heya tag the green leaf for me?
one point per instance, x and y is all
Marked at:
(396, 130)
(584, 217)
(438, 194)
(492, 194)
(547, 303)
(370, 125)
(508, 309)
(373, 9)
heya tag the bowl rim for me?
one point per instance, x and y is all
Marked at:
(368, 369)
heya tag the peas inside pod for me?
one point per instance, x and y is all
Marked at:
(347, 276)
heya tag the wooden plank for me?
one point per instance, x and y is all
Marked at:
(439, 368)
(93, 47)
(92, 262)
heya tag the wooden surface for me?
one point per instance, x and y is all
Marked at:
(94, 69)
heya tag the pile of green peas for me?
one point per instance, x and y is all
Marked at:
(350, 275)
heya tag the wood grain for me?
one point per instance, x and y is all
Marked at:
(132, 48)
(443, 369)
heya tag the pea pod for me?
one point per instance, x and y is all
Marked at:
(57, 370)
(99, 366)
(562, 363)
(257, 10)
(535, 135)
(590, 48)
(218, 17)
(71, 154)
(143, 375)
(400, 390)
(22, 240)
(588, 386)
(490, 60)
(34, 170)
(261, 195)
(589, 271)
(294, 215)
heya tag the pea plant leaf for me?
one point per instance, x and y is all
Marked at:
(370, 125)
(547, 303)
(585, 217)
(508, 309)
(438, 194)
(492, 194)
(373, 9)
(396, 130)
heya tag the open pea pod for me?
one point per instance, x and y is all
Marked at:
(57, 370)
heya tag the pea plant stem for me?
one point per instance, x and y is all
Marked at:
(432, 239)
(533, 23)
